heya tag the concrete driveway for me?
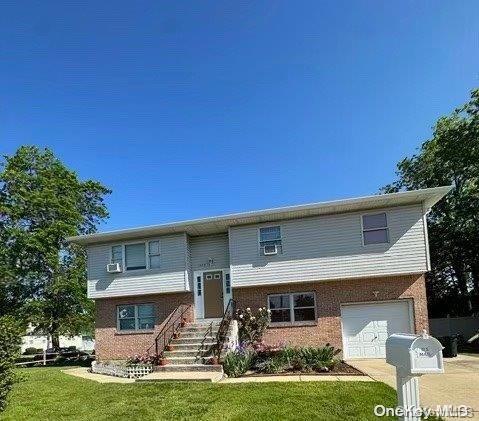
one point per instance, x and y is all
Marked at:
(459, 385)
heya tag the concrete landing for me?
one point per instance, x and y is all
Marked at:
(185, 376)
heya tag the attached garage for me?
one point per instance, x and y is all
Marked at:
(366, 326)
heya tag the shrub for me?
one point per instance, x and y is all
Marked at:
(30, 351)
(251, 326)
(10, 340)
(238, 362)
(277, 358)
(272, 365)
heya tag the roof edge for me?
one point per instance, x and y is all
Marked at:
(429, 197)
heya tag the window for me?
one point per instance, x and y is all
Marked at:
(297, 307)
(375, 229)
(198, 285)
(134, 256)
(136, 317)
(154, 254)
(117, 254)
(270, 236)
(228, 283)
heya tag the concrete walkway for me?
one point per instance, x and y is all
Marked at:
(212, 377)
(185, 376)
(459, 385)
(100, 378)
(296, 378)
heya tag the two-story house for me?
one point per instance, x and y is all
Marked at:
(348, 272)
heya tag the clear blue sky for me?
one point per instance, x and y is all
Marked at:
(188, 109)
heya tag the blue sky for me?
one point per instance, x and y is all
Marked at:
(189, 109)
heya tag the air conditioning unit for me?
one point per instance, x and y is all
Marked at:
(269, 250)
(113, 268)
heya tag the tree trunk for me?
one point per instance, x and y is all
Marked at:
(461, 278)
(55, 336)
(475, 283)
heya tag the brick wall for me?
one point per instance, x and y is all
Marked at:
(110, 344)
(329, 296)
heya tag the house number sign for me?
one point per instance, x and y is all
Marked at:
(210, 263)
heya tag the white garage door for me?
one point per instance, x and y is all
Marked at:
(367, 326)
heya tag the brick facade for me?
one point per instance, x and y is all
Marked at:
(114, 345)
(329, 296)
(111, 344)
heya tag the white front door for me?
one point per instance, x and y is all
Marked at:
(367, 326)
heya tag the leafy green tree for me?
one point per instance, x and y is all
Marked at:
(451, 157)
(43, 277)
(10, 339)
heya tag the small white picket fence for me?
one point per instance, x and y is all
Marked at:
(133, 371)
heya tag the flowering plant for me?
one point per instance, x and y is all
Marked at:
(251, 326)
(266, 350)
(141, 359)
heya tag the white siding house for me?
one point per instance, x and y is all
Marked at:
(171, 276)
(330, 247)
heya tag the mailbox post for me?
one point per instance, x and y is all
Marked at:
(413, 356)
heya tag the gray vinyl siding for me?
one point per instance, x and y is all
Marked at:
(210, 247)
(189, 270)
(170, 277)
(330, 247)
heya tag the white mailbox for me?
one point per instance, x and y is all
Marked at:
(414, 354)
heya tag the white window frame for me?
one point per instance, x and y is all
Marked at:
(136, 317)
(292, 308)
(363, 230)
(280, 239)
(147, 254)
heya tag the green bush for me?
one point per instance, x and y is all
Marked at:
(10, 340)
(30, 351)
(304, 359)
(238, 362)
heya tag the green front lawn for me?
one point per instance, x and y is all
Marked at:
(49, 394)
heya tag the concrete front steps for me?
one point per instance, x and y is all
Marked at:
(190, 357)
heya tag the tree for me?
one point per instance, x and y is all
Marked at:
(450, 157)
(10, 340)
(41, 204)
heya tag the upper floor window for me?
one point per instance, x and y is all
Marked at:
(375, 228)
(270, 240)
(136, 317)
(135, 256)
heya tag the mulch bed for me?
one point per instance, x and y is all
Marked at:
(340, 369)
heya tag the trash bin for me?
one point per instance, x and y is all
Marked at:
(450, 346)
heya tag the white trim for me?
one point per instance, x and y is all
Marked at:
(199, 299)
(426, 240)
(374, 229)
(410, 308)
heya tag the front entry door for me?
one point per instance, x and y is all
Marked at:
(213, 294)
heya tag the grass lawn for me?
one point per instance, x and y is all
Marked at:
(48, 394)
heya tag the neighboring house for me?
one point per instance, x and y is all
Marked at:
(347, 272)
(39, 341)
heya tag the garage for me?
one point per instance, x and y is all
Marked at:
(366, 326)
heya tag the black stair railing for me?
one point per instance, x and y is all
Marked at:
(169, 328)
(222, 333)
